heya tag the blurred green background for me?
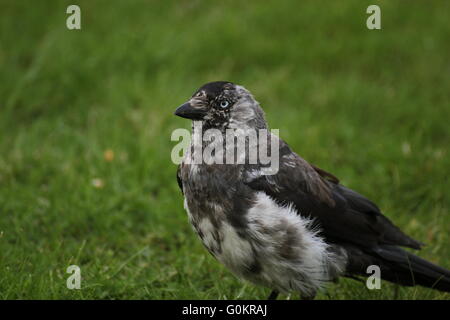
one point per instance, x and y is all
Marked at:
(86, 117)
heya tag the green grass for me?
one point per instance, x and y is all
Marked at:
(373, 107)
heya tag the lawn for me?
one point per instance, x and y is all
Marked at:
(86, 116)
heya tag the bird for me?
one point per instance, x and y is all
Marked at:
(294, 231)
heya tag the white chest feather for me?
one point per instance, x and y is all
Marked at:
(278, 248)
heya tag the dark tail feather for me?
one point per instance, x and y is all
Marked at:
(405, 268)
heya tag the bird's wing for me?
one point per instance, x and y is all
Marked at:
(324, 174)
(180, 182)
(343, 215)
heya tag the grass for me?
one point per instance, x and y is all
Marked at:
(86, 118)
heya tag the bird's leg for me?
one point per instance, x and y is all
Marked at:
(273, 295)
(311, 297)
(396, 291)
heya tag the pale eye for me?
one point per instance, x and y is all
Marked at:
(224, 104)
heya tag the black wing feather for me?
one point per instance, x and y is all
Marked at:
(180, 182)
(344, 216)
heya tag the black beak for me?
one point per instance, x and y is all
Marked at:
(189, 112)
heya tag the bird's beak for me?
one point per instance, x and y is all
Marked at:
(187, 111)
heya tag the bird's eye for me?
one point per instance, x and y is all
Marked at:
(224, 103)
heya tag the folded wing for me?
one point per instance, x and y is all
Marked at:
(343, 215)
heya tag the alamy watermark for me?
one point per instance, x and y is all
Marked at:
(73, 22)
(374, 280)
(234, 146)
(73, 281)
(374, 20)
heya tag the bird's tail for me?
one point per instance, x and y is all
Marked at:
(403, 267)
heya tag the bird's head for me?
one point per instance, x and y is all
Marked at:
(223, 105)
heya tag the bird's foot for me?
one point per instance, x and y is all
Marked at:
(273, 295)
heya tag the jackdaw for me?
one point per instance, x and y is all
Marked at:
(294, 230)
